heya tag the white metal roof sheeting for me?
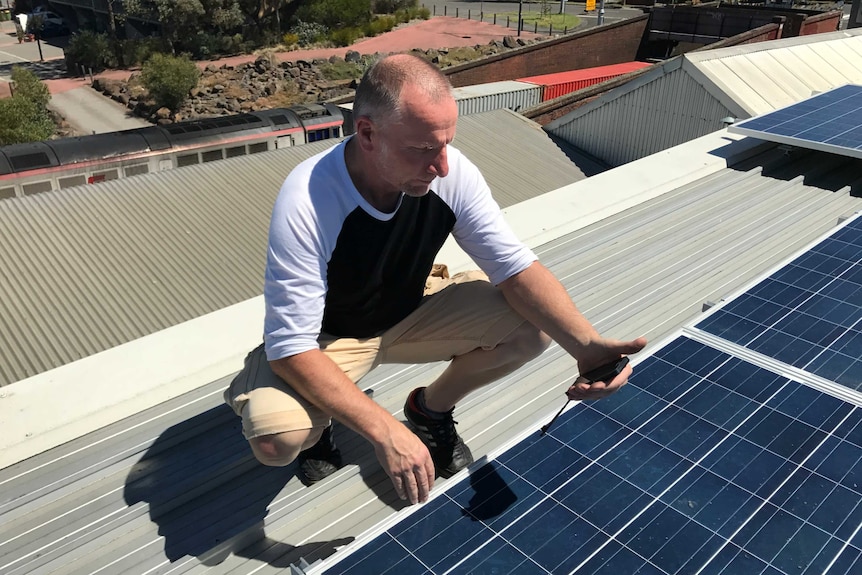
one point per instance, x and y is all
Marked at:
(688, 96)
(175, 489)
(92, 267)
(764, 76)
(656, 111)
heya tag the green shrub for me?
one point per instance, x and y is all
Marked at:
(309, 32)
(380, 25)
(30, 87)
(336, 13)
(290, 39)
(235, 44)
(390, 6)
(136, 52)
(169, 79)
(345, 36)
(22, 120)
(90, 50)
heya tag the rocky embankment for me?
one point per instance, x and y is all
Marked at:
(267, 83)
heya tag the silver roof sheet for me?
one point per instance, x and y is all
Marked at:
(92, 267)
(175, 489)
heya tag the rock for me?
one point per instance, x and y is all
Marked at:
(217, 89)
(163, 113)
(262, 64)
(164, 121)
(509, 42)
(353, 57)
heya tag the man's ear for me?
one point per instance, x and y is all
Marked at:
(366, 133)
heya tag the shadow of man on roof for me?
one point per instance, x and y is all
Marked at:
(210, 497)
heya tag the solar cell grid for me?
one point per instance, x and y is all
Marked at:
(831, 121)
(808, 314)
(704, 463)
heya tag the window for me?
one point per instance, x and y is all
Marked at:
(136, 169)
(187, 160)
(257, 148)
(211, 155)
(37, 188)
(6, 193)
(317, 135)
(235, 151)
(72, 181)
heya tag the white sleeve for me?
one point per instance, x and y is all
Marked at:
(295, 279)
(480, 228)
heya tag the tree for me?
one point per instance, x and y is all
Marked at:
(169, 79)
(336, 13)
(263, 12)
(223, 15)
(24, 117)
(175, 16)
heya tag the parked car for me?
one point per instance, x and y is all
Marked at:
(52, 23)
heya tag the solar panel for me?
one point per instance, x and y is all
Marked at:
(704, 463)
(711, 461)
(830, 122)
(808, 314)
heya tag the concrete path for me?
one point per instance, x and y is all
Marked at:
(89, 112)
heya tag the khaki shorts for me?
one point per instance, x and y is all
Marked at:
(456, 316)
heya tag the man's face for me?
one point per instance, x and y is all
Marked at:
(412, 148)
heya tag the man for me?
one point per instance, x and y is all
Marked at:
(353, 237)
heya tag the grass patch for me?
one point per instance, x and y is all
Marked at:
(341, 70)
(555, 21)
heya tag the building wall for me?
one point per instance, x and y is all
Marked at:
(826, 22)
(600, 46)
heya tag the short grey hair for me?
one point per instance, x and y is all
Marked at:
(379, 92)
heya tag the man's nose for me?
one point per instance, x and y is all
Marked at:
(440, 164)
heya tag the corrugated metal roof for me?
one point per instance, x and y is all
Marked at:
(92, 267)
(689, 96)
(764, 76)
(175, 489)
(653, 112)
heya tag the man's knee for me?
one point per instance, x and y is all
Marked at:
(528, 342)
(280, 449)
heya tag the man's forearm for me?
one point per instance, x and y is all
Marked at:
(319, 380)
(541, 299)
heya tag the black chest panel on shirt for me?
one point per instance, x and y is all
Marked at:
(377, 272)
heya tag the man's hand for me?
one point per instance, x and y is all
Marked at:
(596, 354)
(407, 462)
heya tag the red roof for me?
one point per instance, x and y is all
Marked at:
(585, 73)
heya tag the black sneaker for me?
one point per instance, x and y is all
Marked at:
(321, 459)
(448, 450)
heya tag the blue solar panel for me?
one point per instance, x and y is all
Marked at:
(831, 121)
(808, 314)
(704, 464)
